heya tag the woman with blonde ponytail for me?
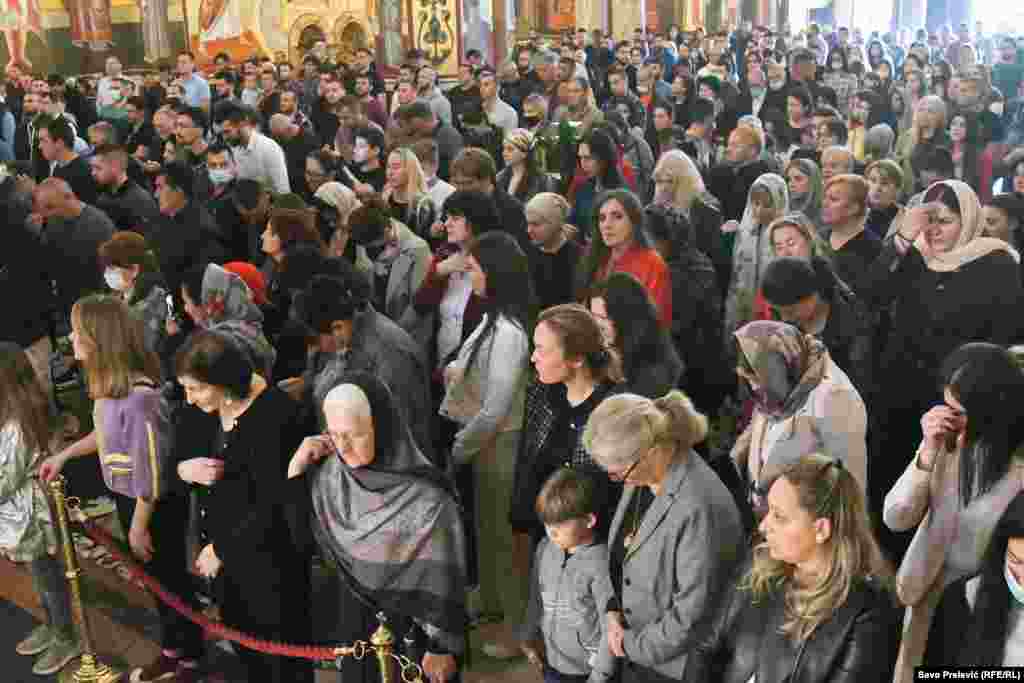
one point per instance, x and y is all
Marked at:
(815, 603)
(675, 540)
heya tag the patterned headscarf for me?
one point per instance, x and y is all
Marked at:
(972, 244)
(229, 309)
(785, 363)
(393, 527)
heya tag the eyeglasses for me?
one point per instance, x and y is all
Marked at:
(623, 476)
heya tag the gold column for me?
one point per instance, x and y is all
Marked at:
(90, 669)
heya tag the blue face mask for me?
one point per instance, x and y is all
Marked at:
(1015, 588)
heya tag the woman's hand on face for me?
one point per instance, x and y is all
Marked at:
(937, 424)
(438, 668)
(917, 220)
(205, 471)
(313, 449)
(616, 634)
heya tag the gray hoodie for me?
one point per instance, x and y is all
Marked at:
(568, 596)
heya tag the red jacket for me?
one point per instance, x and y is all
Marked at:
(647, 266)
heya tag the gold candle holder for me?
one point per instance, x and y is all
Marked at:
(383, 642)
(90, 668)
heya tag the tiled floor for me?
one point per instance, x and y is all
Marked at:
(123, 625)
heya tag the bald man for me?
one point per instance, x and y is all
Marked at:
(71, 232)
(297, 143)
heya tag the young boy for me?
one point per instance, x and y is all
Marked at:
(569, 583)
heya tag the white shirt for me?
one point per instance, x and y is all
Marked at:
(439, 190)
(453, 305)
(503, 116)
(263, 160)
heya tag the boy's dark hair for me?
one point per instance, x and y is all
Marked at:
(838, 130)
(569, 493)
(59, 128)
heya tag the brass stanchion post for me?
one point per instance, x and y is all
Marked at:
(383, 641)
(90, 669)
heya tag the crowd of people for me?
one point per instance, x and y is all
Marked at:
(678, 357)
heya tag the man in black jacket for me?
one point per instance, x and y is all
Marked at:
(72, 232)
(186, 235)
(23, 275)
(297, 143)
(730, 181)
(128, 205)
(57, 146)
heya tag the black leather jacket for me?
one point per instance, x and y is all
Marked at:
(859, 643)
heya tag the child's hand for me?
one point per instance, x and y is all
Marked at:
(533, 653)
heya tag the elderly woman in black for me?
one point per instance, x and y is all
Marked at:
(374, 506)
(946, 284)
(261, 581)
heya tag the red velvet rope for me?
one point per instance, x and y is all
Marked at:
(100, 536)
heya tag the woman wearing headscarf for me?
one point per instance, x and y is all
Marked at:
(752, 250)
(803, 403)
(946, 284)
(522, 176)
(218, 300)
(805, 188)
(374, 506)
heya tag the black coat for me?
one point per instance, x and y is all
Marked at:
(130, 207)
(859, 643)
(295, 152)
(190, 238)
(23, 275)
(730, 184)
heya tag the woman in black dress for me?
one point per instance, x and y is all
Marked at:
(261, 582)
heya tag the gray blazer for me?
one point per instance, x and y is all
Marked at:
(687, 548)
(407, 273)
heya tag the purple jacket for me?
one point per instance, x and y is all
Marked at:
(133, 435)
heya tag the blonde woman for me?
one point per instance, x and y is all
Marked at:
(676, 537)
(405, 191)
(678, 184)
(928, 128)
(819, 580)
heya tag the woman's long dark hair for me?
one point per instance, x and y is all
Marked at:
(509, 285)
(985, 643)
(989, 384)
(597, 253)
(842, 55)
(603, 149)
(640, 339)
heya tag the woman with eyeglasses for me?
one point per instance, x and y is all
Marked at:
(815, 603)
(967, 470)
(676, 538)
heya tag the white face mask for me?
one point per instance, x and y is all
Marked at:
(360, 152)
(777, 85)
(220, 176)
(115, 279)
(997, 108)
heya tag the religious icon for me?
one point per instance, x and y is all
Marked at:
(156, 39)
(90, 24)
(17, 19)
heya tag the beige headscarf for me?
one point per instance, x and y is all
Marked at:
(971, 245)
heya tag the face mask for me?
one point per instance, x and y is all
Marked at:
(776, 85)
(115, 279)
(757, 90)
(220, 176)
(997, 108)
(1016, 590)
(359, 154)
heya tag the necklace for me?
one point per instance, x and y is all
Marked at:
(636, 519)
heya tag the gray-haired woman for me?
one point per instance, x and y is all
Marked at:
(675, 539)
